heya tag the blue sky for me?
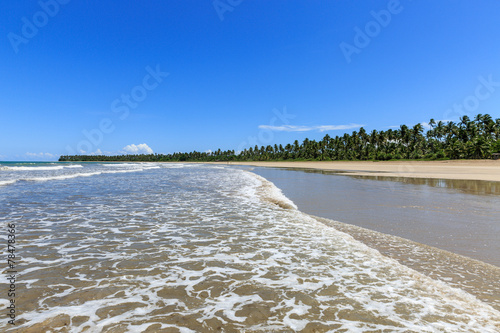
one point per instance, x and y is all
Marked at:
(184, 75)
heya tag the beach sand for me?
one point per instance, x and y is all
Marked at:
(488, 170)
(451, 236)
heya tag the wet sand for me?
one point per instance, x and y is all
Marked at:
(445, 229)
(202, 250)
(488, 170)
(451, 205)
(455, 215)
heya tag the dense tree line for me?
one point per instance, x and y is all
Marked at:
(467, 139)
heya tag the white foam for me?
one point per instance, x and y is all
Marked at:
(35, 168)
(174, 165)
(71, 175)
(7, 182)
(225, 250)
(4, 303)
(120, 165)
(61, 177)
(124, 171)
(72, 166)
(152, 167)
(267, 191)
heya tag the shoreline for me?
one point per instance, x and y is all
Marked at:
(486, 170)
(480, 276)
(469, 268)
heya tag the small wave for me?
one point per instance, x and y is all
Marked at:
(40, 168)
(7, 182)
(74, 175)
(251, 267)
(124, 171)
(34, 168)
(174, 166)
(121, 165)
(267, 191)
(67, 176)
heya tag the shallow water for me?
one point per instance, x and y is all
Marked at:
(192, 248)
(454, 215)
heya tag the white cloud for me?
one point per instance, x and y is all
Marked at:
(426, 125)
(97, 152)
(321, 128)
(138, 149)
(42, 155)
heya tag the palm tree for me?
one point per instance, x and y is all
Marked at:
(455, 149)
(465, 139)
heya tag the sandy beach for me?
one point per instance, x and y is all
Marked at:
(488, 170)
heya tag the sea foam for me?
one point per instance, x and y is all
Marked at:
(195, 249)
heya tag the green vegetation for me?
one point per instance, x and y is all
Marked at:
(467, 139)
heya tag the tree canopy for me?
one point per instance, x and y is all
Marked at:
(478, 138)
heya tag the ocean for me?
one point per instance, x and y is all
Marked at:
(160, 247)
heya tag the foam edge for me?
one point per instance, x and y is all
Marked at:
(268, 192)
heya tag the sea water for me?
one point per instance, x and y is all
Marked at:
(460, 216)
(134, 247)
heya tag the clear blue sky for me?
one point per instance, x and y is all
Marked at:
(74, 67)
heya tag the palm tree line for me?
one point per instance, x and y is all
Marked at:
(466, 139)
